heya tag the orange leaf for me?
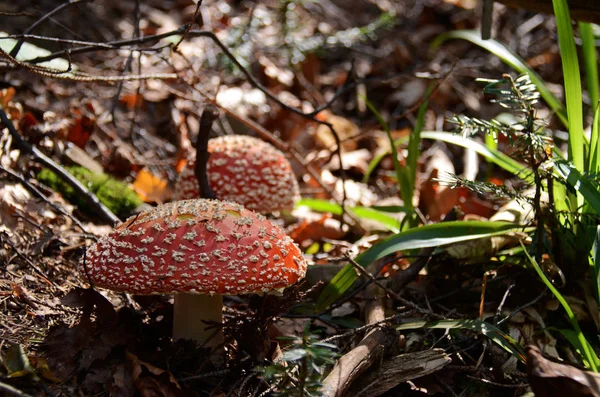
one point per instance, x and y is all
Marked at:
(151, 188)
(316, 230)
(81, 131)
(6, 95)
(131, 101)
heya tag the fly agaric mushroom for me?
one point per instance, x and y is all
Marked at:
(245, 170)
(198, 250)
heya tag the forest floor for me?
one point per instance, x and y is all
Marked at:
(130, 107)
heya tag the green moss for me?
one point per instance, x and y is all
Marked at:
(114, 194)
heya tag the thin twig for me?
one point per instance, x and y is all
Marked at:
(363, 272)
(188, 27)
(68, 74)
(17, 47)
(27, 260)
(111, 45)
(41, 195)
(79, 188)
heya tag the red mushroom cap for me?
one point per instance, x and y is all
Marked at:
(245, 170)
(195, 246)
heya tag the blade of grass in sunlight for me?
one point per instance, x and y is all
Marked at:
(388, 223)
(595, 142)
(495, 156)
(492, 144)
(377, 159)
(434, 235)
(403, 183)
(590, 61)
(571, 336)
(596, 264)
(494, 333)
(413, 155)
(586, 352)
(572, 83)
(511, 59)
(578, 182)
(392, 224)
(594, 159)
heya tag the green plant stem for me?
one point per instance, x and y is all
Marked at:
(403, 183)
(590, 61)
(580, 336)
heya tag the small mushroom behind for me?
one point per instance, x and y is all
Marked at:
(245, 170)
(198, 250)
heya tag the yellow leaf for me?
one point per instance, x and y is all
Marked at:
(151, 188)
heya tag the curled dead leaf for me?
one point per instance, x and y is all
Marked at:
(151, 381)
(548, 378)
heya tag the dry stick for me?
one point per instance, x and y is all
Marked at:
(400, 369)
(402, 279)
(76, 76)
(79, 188)
(189, 26)
(41, 195)
(354, 363)
(209, 115)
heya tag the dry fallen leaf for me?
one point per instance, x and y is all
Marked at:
(151, 381)
(324, 227)
(548, 378)
(151, 188)
(343, 127)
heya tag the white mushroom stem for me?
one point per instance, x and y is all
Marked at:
(190, 313)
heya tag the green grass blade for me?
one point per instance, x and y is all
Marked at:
(595, 142)
(586, 352)
(392, 224)
(590, 61)
(571, 336)
(377, 159)
(572, 83)
(509, 58)
(596, 264)
(321, 205)
(580, 183)
(495, 156)
(494, 333)
(388, 222)
(594, 160)
(492, 144)
(413, 155)
(426, 236)
(403, 183)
